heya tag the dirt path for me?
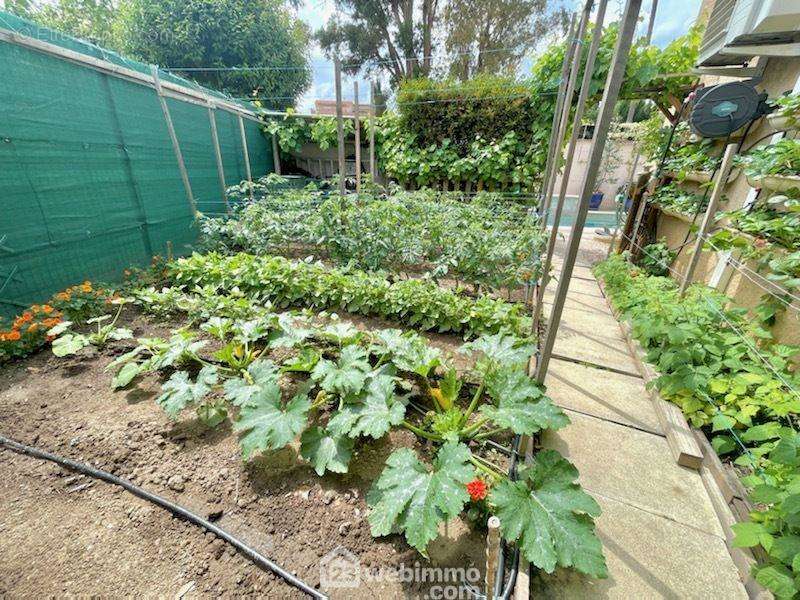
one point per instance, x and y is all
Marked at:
(66, 535)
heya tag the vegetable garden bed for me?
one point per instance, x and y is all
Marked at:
(415, 434)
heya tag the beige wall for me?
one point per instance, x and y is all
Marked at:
(780, 75)
(625, 149)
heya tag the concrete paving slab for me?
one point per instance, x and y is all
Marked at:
(582, 287)
(634, 467)
(584, 320)
(595, 349)
(582, 271)
(648, 557)
(602, 394)
(588, 304)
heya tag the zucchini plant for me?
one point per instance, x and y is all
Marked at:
(335, 387)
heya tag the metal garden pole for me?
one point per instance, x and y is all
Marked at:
(373, 171)
(713, 204)
(544, 200)
(613, 84)
(176, 147)
(357, 126)
(212, 120)
(337, 68)
(586, 84)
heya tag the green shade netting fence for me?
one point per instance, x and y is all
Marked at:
(89, 182)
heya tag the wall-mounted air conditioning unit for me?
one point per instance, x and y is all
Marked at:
(738, 30)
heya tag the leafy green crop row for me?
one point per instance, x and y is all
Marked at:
(730, 379)
(416, 303)
(334, 387)
(486, 241)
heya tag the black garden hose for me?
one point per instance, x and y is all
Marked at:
(180, 511)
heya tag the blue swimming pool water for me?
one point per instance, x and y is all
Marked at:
(595, 218)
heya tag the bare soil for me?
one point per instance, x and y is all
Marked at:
(63, 535)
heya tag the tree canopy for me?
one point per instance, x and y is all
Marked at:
(402, 39)
(222, 34)
(225, 34)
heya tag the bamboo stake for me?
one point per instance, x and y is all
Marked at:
(357, 125)
(176, 147)
(492, 551)
(337, 68)
(711, 211)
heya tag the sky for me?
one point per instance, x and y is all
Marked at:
(673, 19)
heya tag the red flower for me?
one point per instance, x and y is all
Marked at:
(477, 489)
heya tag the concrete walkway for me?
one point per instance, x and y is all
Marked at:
(661, 536)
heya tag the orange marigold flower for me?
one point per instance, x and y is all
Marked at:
(33, 327)
(50, 323)
(47, 309)
(64, 296)
(477, 489)
(13, 336)
(26, 316)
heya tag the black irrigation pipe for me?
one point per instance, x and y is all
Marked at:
(176, 509)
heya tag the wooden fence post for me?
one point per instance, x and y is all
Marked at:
(246, 154)
(711, 211)
(373, 170)
(174, 138)
(357, 125)
(218, 155)
(337, 67)
(276, 155)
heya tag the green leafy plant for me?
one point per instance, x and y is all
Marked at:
(286, 283)
(346, 385)
(657, 258)
(67, 342)
(673, 197)
(780, 158)
(725, 373)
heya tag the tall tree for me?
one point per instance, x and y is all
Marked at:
(91, 20)
(492, 36)
(394, 36)
(244, 47)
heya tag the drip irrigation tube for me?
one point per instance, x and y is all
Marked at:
(180, 511)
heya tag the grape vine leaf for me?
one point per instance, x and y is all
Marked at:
(345, 376)
(410, 497)
(180, 391)
(372, 412)
(326, 452)
(266, 425)
(260, 373)
(521, 405)
(550, 516)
